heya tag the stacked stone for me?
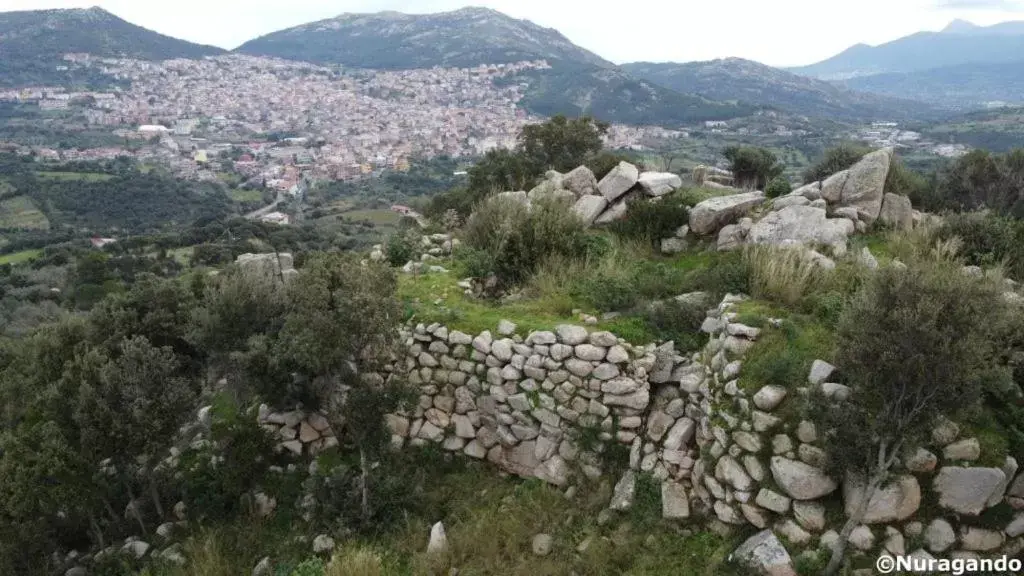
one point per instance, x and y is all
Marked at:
(520, 402)
(298, 432)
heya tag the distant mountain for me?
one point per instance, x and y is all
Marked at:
(963, 87)
(32, 43)
(750, 82)
(959, 44)
(578, 82)
(391, 40)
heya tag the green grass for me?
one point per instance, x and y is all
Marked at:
(783, 356)
(381, 218)
(19, 257)
(239, 195)
(84, 176)
(20, 213)
(437, 298)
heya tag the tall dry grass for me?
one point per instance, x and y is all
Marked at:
(782, 274)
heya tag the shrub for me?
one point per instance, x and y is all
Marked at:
(779, 186)
(355, 562)
(401, 248)
(784, 275)
(987, 239)
(753, 167)
(835, 160)
(608, 290)
(516, 239)
(652, 221)
(677, 321)
(783, 356)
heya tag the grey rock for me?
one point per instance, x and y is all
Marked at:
(625, 489)
(580, 181)
(810, 515)
(730, 471)
(764, 554)
(865, 185)
(920, 461)
(966, 449)
(657, 184)
(571, 335)
(769, 397)
(588, 208)
(799, 480)
(675, 503)
(862, 538)
(967, 490)
(542, 544)
(832, 187)
(820, 372)
(618, 181)
(323, 544)
(438, 543)
(979, 539)
(800, 225)
(613, 213)
(771, 500)
(896, 212)
(711, 214)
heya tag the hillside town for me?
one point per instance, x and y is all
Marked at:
(285, 122)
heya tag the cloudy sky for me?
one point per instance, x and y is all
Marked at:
(776, 32)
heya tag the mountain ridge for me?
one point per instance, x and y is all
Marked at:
(759, 84)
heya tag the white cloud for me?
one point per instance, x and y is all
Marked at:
(780, 32)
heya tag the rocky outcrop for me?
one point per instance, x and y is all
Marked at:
(656, 184)
(800, 225)
(897, 212)
(588, 208)
(865, 185)
(712, 214)
(619, 181)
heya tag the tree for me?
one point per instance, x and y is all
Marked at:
(560, 143)
(130, 404)
(835, 160)
(914, 345)
(339, 336)
(753, 167)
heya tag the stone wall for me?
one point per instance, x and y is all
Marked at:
(542, 405)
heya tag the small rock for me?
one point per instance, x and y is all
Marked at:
(323, 544)
(438, 543)
(542, 544)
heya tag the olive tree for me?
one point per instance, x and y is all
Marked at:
(339, 336)
(913, 345)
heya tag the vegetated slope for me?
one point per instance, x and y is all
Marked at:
(754, 83)
(391, 40)
(960, 43)
(614, 95)
(32, 43)
(966, 86)
(134, 202)
(998, 130)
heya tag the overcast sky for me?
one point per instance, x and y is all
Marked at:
(775, 32)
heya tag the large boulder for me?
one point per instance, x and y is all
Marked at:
(897, 212)
(832, 187)
(656, 184)
(865, 186)
(588, 208)
(800, 224)
(801, 481)
(618, 181)
(894, 502)
(764, 554)
(713, 213)
(580, 182)
(967, 490)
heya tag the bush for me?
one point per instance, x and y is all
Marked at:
(779, 186)
(677, 321)
(516, 239)
(652, 221)
(835, 160)
(728, 273)
(987, 239)
(401, 248)
(783, 357)
(753, 167)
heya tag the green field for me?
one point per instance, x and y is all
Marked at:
(239, 195)
(86, 176)
(19, 257)
(20, 213)
(379, 217)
